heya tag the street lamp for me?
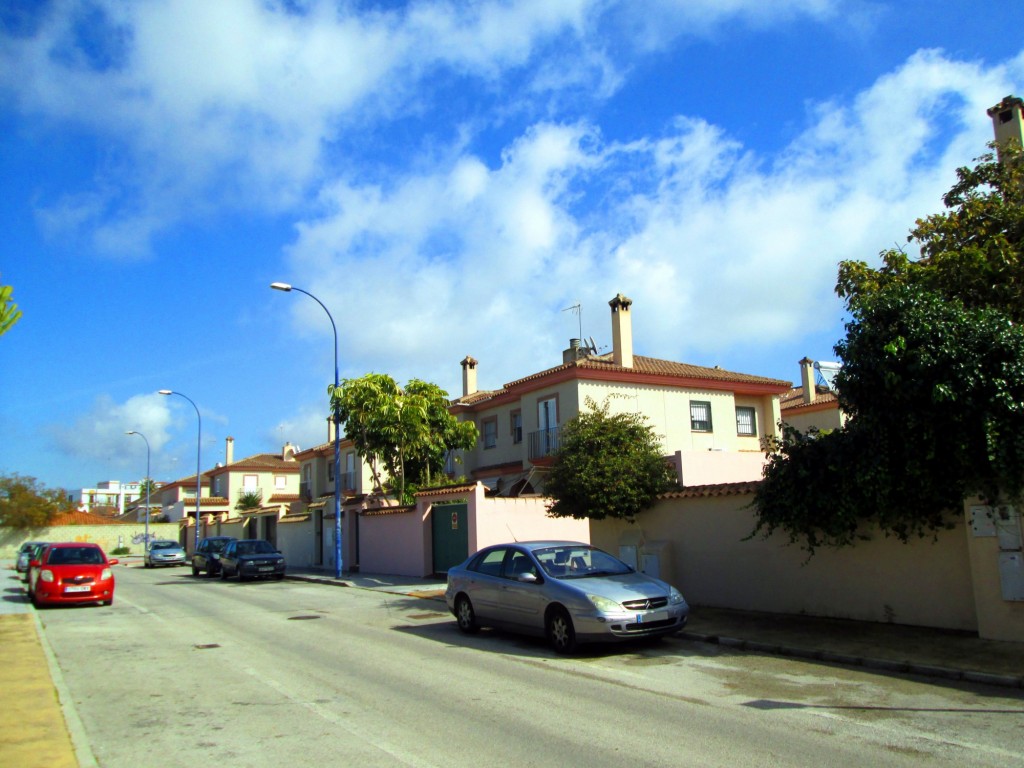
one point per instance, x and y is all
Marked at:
(148, 482)
(337, 431)
(199, 465)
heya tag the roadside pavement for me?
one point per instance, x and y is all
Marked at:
(41, 728)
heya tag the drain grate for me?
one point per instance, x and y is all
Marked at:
(303, 618)
(206, 646)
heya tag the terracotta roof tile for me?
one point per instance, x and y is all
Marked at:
(716, 489)
(84, 518)
(794, 399)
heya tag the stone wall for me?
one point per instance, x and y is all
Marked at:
(110, 537)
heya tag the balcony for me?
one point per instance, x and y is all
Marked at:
(544, 442)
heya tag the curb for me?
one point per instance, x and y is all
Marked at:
(883, 665)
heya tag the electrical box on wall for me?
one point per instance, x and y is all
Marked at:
(982, 522)
(1007, 523)
(1011, 575)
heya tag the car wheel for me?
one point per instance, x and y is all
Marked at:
(560, 631)
(223, 573)
(209, 571)
(465, 615)
(195, 571)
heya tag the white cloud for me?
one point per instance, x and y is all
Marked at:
(231, 104)
(98, 435)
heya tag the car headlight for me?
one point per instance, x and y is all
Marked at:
(604, 604)
(105, 575)
(45, 575)
(675, 597)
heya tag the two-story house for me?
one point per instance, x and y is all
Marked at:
(258, 489)
(711, 421)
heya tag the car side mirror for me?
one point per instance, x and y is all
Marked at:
(528, 578)
(33, 563)
(115, 561)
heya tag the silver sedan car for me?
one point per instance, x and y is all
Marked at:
(162, 552)
(564, 590)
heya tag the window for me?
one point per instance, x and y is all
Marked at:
(280, 482)
(490, 431)
(746, 421)
(489, 563)
(517, 427)
(700, 416)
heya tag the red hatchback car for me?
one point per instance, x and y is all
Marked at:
(72, 572)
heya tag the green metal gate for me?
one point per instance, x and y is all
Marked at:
(450, 535)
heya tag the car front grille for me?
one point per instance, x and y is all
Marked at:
(646, 604)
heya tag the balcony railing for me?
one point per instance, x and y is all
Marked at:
(544, 442)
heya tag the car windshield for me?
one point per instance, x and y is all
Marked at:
(164, 545)
(255, 548)
(217, 545)
(75, 556)
(575, 561)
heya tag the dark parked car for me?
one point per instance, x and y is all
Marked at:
(71, 573)
(251, 559)
(26, 553)
(563, 590)
(207, 555)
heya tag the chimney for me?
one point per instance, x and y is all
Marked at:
(807, 378)
(572, 353)
(330, 429)
(288, 452)
(468, 376)
(622, 331)
(1007, 122)
(229, 450)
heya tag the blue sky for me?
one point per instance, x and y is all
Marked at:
(447, 177)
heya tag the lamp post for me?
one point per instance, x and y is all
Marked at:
(199, 449)
(148, 482)
(337, 431)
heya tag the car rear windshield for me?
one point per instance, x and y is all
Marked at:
(165, 545)
(575, 562)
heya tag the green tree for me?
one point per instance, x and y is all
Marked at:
(9, 312)
(607, 465)
(409, 432)
(932, 380)
(26, 503)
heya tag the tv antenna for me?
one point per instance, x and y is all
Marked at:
(577, 309)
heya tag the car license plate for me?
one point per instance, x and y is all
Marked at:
(83, 588)
(646, 618)
(266, 569)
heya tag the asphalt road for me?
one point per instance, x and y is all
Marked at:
(185, 671)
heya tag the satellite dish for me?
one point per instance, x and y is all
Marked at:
(593, 346)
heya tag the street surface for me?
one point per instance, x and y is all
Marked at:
(186, 671)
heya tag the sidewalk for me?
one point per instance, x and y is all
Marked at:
(40, 716)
